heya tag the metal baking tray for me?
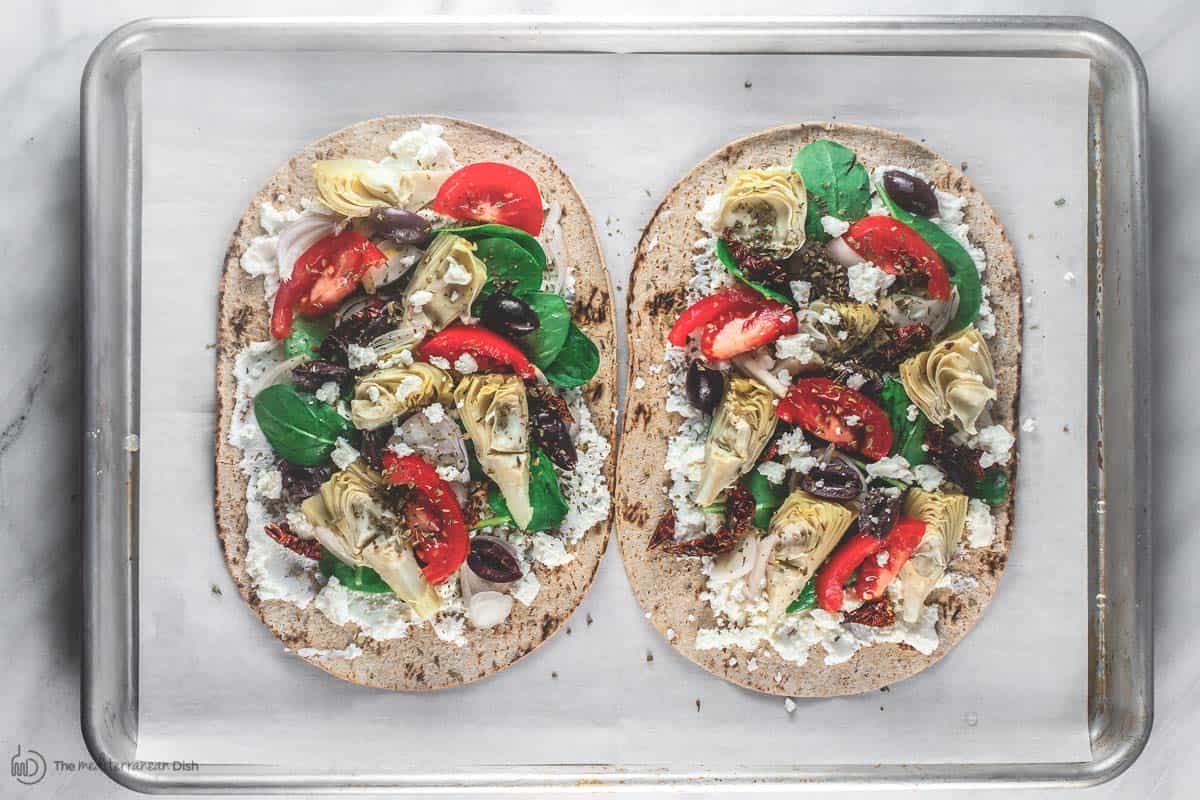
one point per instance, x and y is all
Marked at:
(1120, 645)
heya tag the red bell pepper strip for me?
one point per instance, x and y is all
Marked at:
(832, 576)
(478, 342)
(324, 275)
(705, 310)
(899, 545)
(896, 248)
(441, 552)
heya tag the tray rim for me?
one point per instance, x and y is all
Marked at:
(110, 143)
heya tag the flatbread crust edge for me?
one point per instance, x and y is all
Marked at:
(668, 588)
(421, 661)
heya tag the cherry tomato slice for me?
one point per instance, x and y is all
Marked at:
(349, 256)
(707, 309)
(827, 409)
(491, 192)
(736, 332)
(896, 248)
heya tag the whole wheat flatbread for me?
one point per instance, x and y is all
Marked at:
(668, 587)
(420, 661)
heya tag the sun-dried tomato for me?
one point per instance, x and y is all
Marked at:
(901, 342)
(477, 506)
(663, 532)
(960, 463)
(877, 613)
(550, 424)
(301, 483)
(756, 266)
(280, 532)
(739, 509)
(710, 544)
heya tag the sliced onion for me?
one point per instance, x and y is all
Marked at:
(842, 253)
(277, 374)
(488, 609)
(736, 563)
(755, 367)
(756, 580)
(849, 462)
(298, 236)
(441, 443)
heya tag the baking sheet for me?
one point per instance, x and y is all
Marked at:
(215, 686)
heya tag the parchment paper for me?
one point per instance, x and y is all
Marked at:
(215, 685)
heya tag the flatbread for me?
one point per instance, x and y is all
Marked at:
(668, 587)
(420, 661)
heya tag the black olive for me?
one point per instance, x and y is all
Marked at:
(910, 193)
(832, 480)
(508, 315)
(879, 512)
(492, 561)
(301, 483)
(402, 227)
(313, 375)
(705, 386)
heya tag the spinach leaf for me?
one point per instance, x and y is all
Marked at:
(306, 337)
(509, 266)
(554, 320)
(576, 363)
(732, 266)
(907, 436)
(476, 232)
(358, 579)
(837, 185)
(549, 505)
(806, 599)
(767, 497)
(300, 428)
(963, 273)
(992, 488)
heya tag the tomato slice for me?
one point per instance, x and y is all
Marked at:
(489, 349)
(305, 273)
(491, 192)
(736, 331)
(440, 539)
(899, 545)
(707, 309)
(348, 257)
(896, 248)
(827, 409)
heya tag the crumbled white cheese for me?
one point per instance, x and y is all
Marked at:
(439, 362)
(585, 488)
(526, 589)
(996, 443)
(867, 281)
(853, 419)
(358, 357)
(833, 226)
(708, 213)
(856, 381)
(435, 412)
(451, 473)
(801, 291)
(1069, 277)
(797, 346)
(549, 550)
(379, 616)
(882, 558)
(270, 484)
(912, 412)
(895, 467)
(423, 148)
(795, 449)
(773, 471)
(421, 298)
(789, 705)
(928, 477)
(400, 449)
(466, 364)
(830, 316)
(981, 526)
(455, 275)
(1029, 425)
(329, 392)
(639, 382)
(343, 453)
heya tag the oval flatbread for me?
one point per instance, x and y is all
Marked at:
(669, 587)
(421, 660)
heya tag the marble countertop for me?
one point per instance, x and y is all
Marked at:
(44, 49)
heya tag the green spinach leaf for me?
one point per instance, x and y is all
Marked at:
(963, 273)
(992, 488)
(806, 599)
(576, 363)
(358, 579)
(306, 337)
(838, 186)
(476, 232)
(509, 266)
(554, 320)
(300, 428)
(907, 436)
(732, 267)
(549, 505)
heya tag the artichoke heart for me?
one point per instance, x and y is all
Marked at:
(448, 279)
(410, 189)
(741, 427)
(385, 394)
(944, 516)
(808, 529)
(353, 186)
(390, 345)
(495, 412)
(765, 209)
(348, 520)
(952, 381)
(838, 328)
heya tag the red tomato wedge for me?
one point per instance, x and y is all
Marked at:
(489, 349)
(899, 545)
(736, 332)
(441, 542)
(833, 574)
(491, 192)
(707, 309)
(838, 414)
(323, 276)
(896, 248)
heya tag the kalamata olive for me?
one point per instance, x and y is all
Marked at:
(301, 483)
(402, 227)
(879, 512)
(910, 193)
(550, 423)
(705, 386)
(493, 560)
(313, 375)
(832, 480)
(508, 315)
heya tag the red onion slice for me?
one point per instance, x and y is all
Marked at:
(736, 563)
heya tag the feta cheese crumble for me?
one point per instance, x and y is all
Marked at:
(867, 281)
(833, 226)
(981, 526)
(343, 453)
(358, 357)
